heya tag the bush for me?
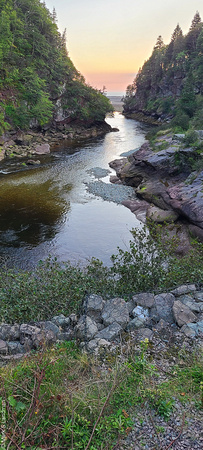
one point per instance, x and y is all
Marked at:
(148, 265)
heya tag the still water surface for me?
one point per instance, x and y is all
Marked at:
(47, 210)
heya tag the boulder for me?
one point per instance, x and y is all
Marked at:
(163, 304)
(183, 314)
(189, 301)
(141, 313)
(93, 307)
(61, 321)
(159, 215)
(184, 289)
(135, 323)
(96, 344)
(144, 333)
(146, 299)
(9, 332)
(186, 198)
(41, 149)
(110, 333)
(115, 310)
(193, 329)
(3, 347)
(15, 348)
(86, 328)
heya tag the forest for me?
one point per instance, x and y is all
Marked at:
(38, 81)
(169, 86)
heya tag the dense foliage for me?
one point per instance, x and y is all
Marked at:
(53, 288)
(170, 83)
(36, 74)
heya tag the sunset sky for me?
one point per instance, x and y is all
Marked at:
(108, 40)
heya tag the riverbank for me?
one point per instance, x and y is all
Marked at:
(33, 144)
(167, 178)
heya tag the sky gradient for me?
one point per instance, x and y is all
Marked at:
(108, 40)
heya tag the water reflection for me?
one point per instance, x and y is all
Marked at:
(30, 212)
(47, 209)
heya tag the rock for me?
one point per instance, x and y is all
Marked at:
(114, 179)
(50, 326)
(86, 328)
(184, 289)
(144, 333)
(3, 347)
(161, 325)
(186, 198)
(163, 306)
(61, 321)
(115, 310)
(159, 215)
(183, 314)
(138, 207)
(41, 149)
(190, 302)
(178, 137)
(193, 329)
(28, 330)
(110, 333)
(135, 323)
(141, 313)
(24, 139)
(118, 164)
(73, 319)
(33, 162)
(33, 336)
(130, 305)
(66, 335)
(16, 348)
(94, 306)
(97, 343)
(146, 299)
(199, 296)
(9, 332)
(44, 338)
(196, 232)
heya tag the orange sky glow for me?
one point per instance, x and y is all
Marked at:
(108, 41)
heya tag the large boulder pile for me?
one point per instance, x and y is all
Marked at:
(104, 323)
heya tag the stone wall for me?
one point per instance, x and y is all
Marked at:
(176, 316)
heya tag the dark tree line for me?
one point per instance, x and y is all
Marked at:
(170, 83)
(35, 70)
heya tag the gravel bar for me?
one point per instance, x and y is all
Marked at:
(116, 193)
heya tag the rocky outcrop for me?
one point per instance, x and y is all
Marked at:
(167, 192)
(31, 144)
(103, 323)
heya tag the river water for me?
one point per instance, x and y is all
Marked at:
(47, 209)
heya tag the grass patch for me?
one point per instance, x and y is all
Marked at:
(64, 398)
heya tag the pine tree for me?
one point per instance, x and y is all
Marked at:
(159, 43)
(195, 21)
(177, 33)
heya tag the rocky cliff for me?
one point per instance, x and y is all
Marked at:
(166, 182)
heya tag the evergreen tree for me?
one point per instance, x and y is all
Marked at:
(196, 21)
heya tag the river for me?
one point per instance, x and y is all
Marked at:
(47, 209)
